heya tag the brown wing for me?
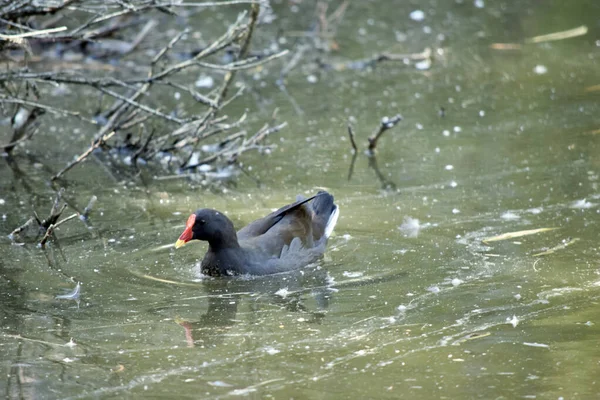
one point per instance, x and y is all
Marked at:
(279, 228)
(261, 226)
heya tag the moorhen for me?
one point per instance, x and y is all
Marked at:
(289, 238)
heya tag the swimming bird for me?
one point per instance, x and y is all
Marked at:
(289, 238)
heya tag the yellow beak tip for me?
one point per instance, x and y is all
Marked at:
(179, 243)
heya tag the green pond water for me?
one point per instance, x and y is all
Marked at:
(408, 302)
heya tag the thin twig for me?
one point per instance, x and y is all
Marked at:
(52, 227)
(352, 142)
(88, 208)
(83, 156)
(386, 123)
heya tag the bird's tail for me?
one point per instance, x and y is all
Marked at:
(326, 212)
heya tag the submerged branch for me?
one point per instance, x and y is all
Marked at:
(140, 89)
(386, 123)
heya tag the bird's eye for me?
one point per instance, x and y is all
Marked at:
(202, 222)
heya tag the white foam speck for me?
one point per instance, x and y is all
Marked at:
(510, 216)
(583, 203)
(271, 351)
(348, 274)
(410, 227)
(543, 345)
(204, 82)
(423, 65)
(417, 15)
(540, 69)
(514, 321)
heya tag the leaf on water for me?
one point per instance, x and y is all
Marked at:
(570, 33)
(506, 46)
(72, 295)
(170, 282)
(595, 131)
(118, 368)
(565, 243)
(543, 345)
(512, 235)
(471, 336)
(593, 88)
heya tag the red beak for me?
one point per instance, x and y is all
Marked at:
(187, 234)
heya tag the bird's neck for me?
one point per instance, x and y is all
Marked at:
(222, 242)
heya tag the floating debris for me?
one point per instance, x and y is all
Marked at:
(570, 33)
(540, 69)
(433, 289)
(423, 65)
(417, 15)
(73, 295)
(205, 81)
(593, 88)
(514, 321)
(510, 216)
(506, 46)
(583, 203)
(565, 243)
(543, 345)
(471, 336)
(512, 235)
(283, 292)
(410, 227)
(348, 274)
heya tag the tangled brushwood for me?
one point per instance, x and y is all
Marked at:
(117, 55)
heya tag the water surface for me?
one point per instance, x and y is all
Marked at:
(409, 301)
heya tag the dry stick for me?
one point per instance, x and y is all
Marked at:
(386, 123)
(231, 35)
(88, 208)
(229, 76)
(243, 64)
(55, 211)
(102, 135)
(29, 11)
(141, 35)
(83, 156)
(22, 227)
(352, 142)
(245, 146)
(141, 106)
(142, 149)
(158, 5)
(52, 227)
(32, 33)
(200, 98)
(23, 130)
(242, 53)
(50, 109)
